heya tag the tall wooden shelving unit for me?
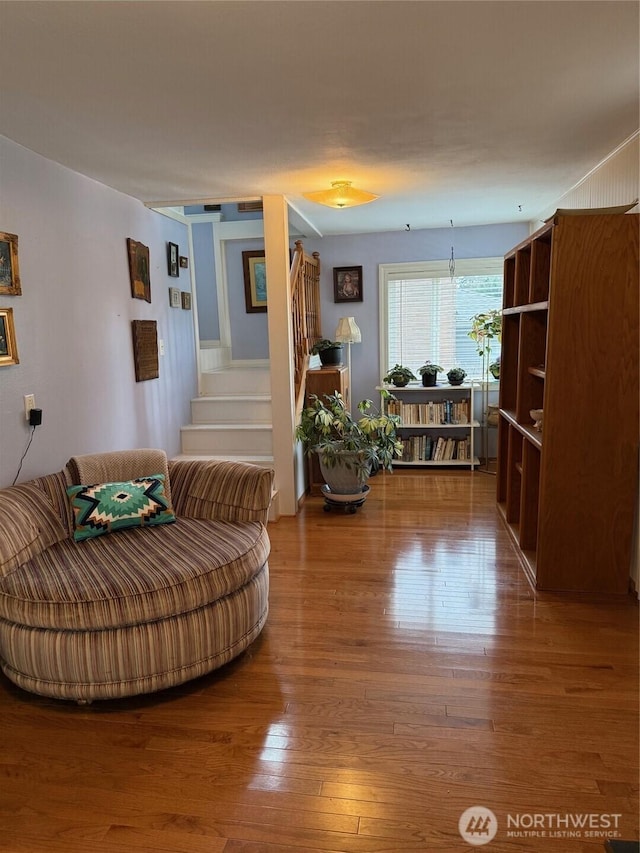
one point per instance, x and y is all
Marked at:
(570, 347)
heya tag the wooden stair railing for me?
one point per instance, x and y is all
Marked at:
(305, 302)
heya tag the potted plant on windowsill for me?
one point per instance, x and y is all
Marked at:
(429, 373)
(348, 449)
(330, 352)
(399, 376)
(456, 375)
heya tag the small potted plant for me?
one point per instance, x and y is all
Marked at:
(429, 373)
(494, 368)
(456, 375)
(330, 352)
(348, 449)
(399, 376)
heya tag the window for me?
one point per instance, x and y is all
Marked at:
(425, 314)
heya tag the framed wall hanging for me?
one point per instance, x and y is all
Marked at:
(8, 348)
(145, 349)
(139, 270)
(174, 297)
(172, 260)
(186, 300)
(347, 284)
(255, 281)
(9, 273)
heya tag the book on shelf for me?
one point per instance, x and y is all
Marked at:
(449, 412)
(427, 448)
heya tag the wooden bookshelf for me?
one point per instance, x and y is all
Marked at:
(424, 422)
(570, 347)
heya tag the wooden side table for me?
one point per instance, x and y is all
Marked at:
(321, 381)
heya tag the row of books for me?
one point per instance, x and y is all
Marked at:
(444, 412)
(427, 448)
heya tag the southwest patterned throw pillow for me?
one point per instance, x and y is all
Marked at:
(106, 507)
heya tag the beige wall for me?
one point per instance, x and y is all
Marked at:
(614, 181)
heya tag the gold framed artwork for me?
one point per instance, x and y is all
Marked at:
(186, 300)
(8, 347)
(9, 272)
(255, 281)
(139, 270)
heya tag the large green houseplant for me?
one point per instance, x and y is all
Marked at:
(348, 449)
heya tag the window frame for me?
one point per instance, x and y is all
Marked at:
(420, 270)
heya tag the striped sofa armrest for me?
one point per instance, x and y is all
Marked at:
(223, 491)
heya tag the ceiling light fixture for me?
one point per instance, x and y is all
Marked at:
(341, 194)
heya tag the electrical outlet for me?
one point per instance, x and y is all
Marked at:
(29, 403)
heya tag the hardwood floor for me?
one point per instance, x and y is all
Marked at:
(407, 672)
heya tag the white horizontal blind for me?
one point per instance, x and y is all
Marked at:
(426, 314)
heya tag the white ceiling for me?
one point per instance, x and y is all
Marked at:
(462, 111)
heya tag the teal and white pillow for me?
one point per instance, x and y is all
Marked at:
(107, 507)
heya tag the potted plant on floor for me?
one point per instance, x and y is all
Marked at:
(429, 373)
(348, 449)
(399, 376)
(330, 352)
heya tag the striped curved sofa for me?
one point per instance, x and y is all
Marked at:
(141, 609)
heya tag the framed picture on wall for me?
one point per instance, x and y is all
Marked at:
(174, 297)
(186, 300)
(9, 275)
(347, 284)
(255, 281)
(8, 348)
(139, 270)
(172, 259)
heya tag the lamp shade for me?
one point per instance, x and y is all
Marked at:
(348, 331)
(341, 194)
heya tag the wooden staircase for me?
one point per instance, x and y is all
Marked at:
(232, 419)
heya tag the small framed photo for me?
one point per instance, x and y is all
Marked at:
(347, 284)
(139, 270)
(174, 297)
(255, 281)
(184, 262)
(9, 274)
(172, 259)
(186, 300)
(8, 348)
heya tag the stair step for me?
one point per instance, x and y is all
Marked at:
(227, 438)
(236, 381)
(252, 458)
(231, 408)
